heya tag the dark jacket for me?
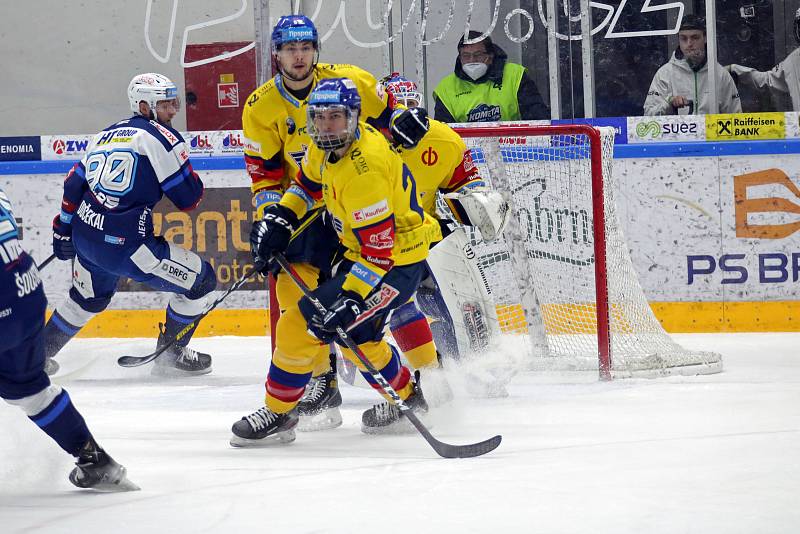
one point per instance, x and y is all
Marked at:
(531, 105)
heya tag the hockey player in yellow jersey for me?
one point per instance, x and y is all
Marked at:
(440, 162)
(373, 202)
(274, 125)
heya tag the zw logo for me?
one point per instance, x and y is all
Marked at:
(745, 206)
(724, 127)
(60, 146)
(430, 157)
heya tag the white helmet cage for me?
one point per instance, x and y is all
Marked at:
(151, 88)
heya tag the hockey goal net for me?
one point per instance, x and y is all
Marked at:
(562, 273)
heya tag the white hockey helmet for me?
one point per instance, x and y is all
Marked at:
(151, 88)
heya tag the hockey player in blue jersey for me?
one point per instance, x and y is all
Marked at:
(106, 225)
(23, 381)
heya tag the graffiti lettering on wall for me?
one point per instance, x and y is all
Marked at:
(218, 231)
(770, 267)
(188, 29)
(609, 21)
(746, 207)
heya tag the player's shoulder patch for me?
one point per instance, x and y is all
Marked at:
(172, 137)
(260, 92)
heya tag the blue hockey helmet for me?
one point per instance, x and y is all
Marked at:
(294, 28)
(333, 94)
(402, 89)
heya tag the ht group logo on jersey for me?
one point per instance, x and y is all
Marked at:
(676, 128)
(745, 126)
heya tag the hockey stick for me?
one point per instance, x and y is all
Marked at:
(445, 450)
(47, 260)
(135, 361)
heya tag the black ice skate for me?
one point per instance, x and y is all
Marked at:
(264, 427)
(319, 406)
(180, 361)
(386, 418)
(96, 470)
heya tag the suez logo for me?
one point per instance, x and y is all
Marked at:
(655, 129)
(770, 267)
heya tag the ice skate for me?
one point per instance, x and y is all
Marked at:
(319, 406)
(180, 361)
(96, 470)
(386, 418)
(264, 427)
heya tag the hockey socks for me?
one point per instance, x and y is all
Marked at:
(396, 374)
(174, 325)
(61, 421)
(57, 332)
(413, 335)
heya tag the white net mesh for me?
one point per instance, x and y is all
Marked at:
(542, 272)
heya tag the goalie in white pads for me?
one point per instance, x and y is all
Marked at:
(442, 163)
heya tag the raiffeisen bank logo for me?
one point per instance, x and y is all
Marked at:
(766, 217)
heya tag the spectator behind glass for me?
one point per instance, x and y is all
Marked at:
(485, 87)
(681, 86)
(784, 78)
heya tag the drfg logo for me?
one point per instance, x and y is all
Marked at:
(745, 207)
(772, 268)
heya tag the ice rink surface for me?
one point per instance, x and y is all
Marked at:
(706, 454)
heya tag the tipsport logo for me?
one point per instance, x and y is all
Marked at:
(748, 208)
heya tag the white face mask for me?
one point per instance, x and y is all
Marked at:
(475, 70)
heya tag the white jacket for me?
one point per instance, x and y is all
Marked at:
(784, 78)
(677, 78)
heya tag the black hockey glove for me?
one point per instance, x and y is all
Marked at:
(272, 233)
(63, 247)
(409, 126)
(342, 313)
